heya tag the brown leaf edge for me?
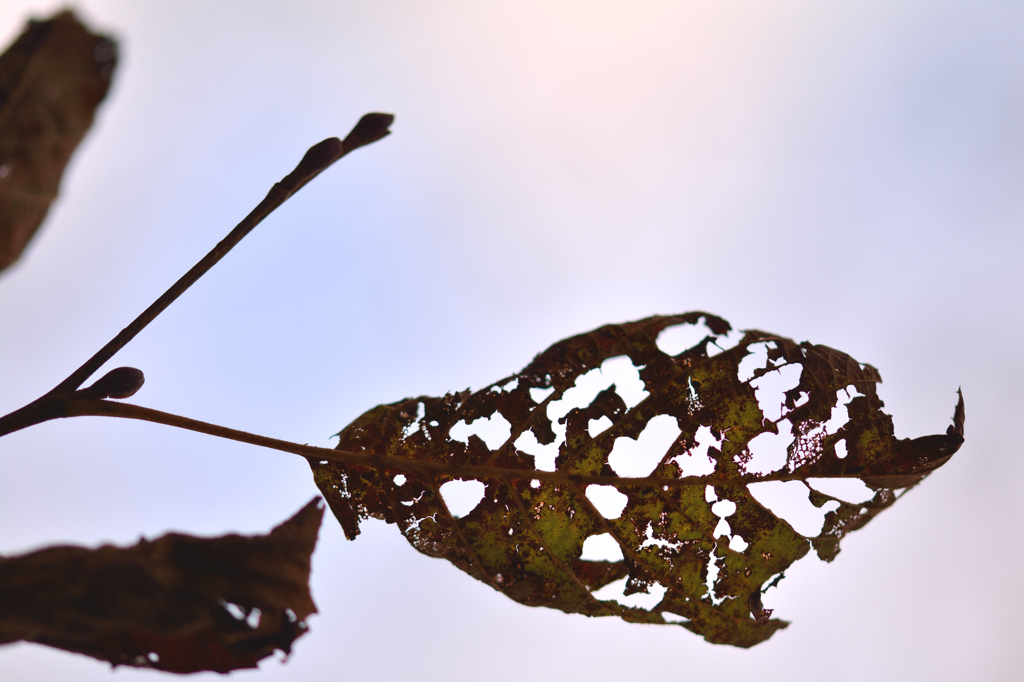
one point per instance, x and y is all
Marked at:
(52, 78)
(179, 603)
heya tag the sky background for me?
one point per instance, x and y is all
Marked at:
(850, 173)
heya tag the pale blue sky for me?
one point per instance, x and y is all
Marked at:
(851, 173)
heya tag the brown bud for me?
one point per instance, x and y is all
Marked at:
(318, 157)
(370, 128)
(119, 383)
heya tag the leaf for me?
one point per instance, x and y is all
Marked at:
(51, 81)
(179, 603)
(526, 536)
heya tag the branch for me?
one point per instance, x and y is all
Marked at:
(319, 157)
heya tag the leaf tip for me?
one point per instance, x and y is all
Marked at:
(958, 416)
(305, 522)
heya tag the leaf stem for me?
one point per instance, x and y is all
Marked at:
(92, 407)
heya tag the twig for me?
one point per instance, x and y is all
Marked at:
(370, 128)
(55, 404)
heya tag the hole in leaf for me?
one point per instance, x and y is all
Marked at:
(769, 451)
(713, 571)
(543, 455)
(618, 371)
(400, 480)
(640, 457)
(852, 490)
(840, 447)
(607, 499)
(494, 431)
(650, 540)
(598, 426)
(601, 547)
(771, 387)
(507, 387)
(738, 544)
(253, 620)
(839, 416)
(682, 337)
(462, 497)
(621, 372)
(724, 343)
(616, 592)
(791, 502)
(723, 508)
(539, 395)
(756, 358)
(697, 462)
(236, 611)
(415, 426)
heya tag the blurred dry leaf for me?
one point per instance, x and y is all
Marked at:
(179, 603)
(51, 81)
(560, 459)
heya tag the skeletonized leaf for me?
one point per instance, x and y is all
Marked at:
(51, 81)
(179, 603)
(605, 440)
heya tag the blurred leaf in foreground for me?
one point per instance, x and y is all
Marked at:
(51, 81)
(179, 603)
(618, 476)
